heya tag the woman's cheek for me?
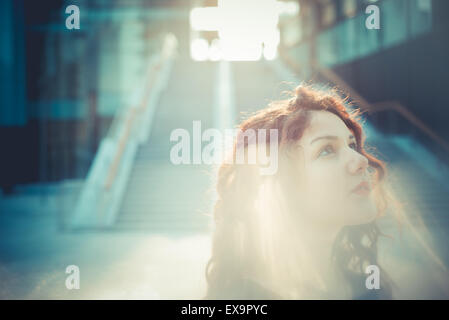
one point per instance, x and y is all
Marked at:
(326, 180)
(325, 187)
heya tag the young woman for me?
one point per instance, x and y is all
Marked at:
(309, 230)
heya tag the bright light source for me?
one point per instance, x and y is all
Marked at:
(215, 53)
(272, 38)
(199, 49)
(271, 45)
(289, 8)
(238, 50)
(243, 26)
(270, 52)
(205, 19)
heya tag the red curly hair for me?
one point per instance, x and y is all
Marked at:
(235, 247)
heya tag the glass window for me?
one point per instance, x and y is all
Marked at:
(349, 8)
(393, 21)
(328, 13)
(309, 18)
(292, 32)
(368, 39)
(420, 16)
(327, 48)
(301, 55)
(347, 35)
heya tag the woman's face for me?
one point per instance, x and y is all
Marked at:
(337, 188)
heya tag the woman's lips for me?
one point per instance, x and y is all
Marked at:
(362, 189)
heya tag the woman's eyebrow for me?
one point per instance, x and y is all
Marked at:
(329, 137)
(324, 137)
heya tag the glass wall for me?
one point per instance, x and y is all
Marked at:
(400, 21)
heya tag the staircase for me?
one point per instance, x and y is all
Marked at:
(161, 196)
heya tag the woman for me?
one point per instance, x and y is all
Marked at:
(308, 231)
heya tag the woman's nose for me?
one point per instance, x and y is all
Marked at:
(357, 163)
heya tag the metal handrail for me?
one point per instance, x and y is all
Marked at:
(103, 189)
(132, 113)
(399, 108)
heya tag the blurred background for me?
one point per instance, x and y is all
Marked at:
(86, 116)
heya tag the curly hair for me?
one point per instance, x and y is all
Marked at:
(245, 247)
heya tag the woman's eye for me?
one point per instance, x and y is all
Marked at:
(326, 151)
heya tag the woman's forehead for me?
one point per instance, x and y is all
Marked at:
(323, 123)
